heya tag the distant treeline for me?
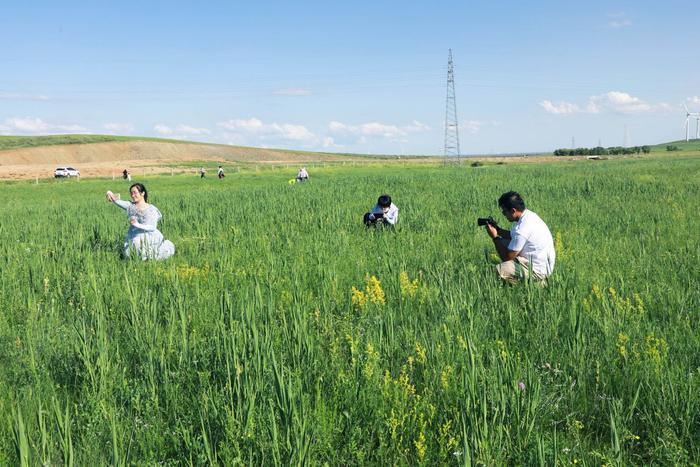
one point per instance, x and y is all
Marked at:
(601, 151)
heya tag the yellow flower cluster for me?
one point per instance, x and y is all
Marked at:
(409, 287)
(421, 354)
(371, 361)
(403, 383)
(613, 301)
(358, 298)
(445, 377)
(185, 272)
(373, 293)
(655, 349)
(559, 247)
(622, 340)
(420, 446)
(578, 425)
(448, 442)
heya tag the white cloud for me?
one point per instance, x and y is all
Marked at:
(163, 129)
(11, 96)
(618, 20)
(561, 108)
(35, 126)
(292, 92)
(329, 142)
(269, 131)
(119, 128)
(622, 23)
(251, 125)
(189, 130)
(613, 101)
(695, 100)
(294, 132)
(377, 130)
(337, 126)
(474, 126)
(620, 102)
(380, 129)
(180, 130)
(416, 127)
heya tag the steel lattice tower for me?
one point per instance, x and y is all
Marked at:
(451, 125)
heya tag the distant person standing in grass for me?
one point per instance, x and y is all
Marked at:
(202, 172)
(143, 238)
(220, 173)
(383, 213)
(527, 249)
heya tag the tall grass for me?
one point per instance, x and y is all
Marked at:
(247, 346)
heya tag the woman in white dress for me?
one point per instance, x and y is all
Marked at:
(143, 238)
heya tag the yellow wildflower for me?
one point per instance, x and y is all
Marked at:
(445, 377)
(596, 292)
(622, 340)
(420, 446)
(421, 354)
(410, 361)
(655, 349)
(462, 342)
(408, 287)
(374, 291)
(371, 361)
(359, 298)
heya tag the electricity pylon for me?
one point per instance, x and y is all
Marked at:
(451, 125)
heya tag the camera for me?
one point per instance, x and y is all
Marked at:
(486, 221)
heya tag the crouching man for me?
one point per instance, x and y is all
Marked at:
(383, 213)
(527, 250)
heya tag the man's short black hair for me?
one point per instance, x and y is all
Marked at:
(512, 200)
(384, 201)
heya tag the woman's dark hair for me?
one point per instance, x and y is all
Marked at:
(511, 200)
(384, 201)
(142, 190)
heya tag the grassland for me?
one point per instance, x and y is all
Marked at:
(284, 332)
(682, 145)
(17, 142)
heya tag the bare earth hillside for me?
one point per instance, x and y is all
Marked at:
(104, 159)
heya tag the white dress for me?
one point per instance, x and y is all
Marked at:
(143, 238)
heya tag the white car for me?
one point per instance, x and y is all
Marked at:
(66, 172)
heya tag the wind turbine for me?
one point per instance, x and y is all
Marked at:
(689, 114)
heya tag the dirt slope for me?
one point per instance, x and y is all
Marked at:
(103, 159)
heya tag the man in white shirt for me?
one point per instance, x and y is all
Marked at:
(527, 249)
(302, 175)
(384, 212)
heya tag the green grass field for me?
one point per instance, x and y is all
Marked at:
(283, 332)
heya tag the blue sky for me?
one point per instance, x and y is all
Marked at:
(358, 76)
